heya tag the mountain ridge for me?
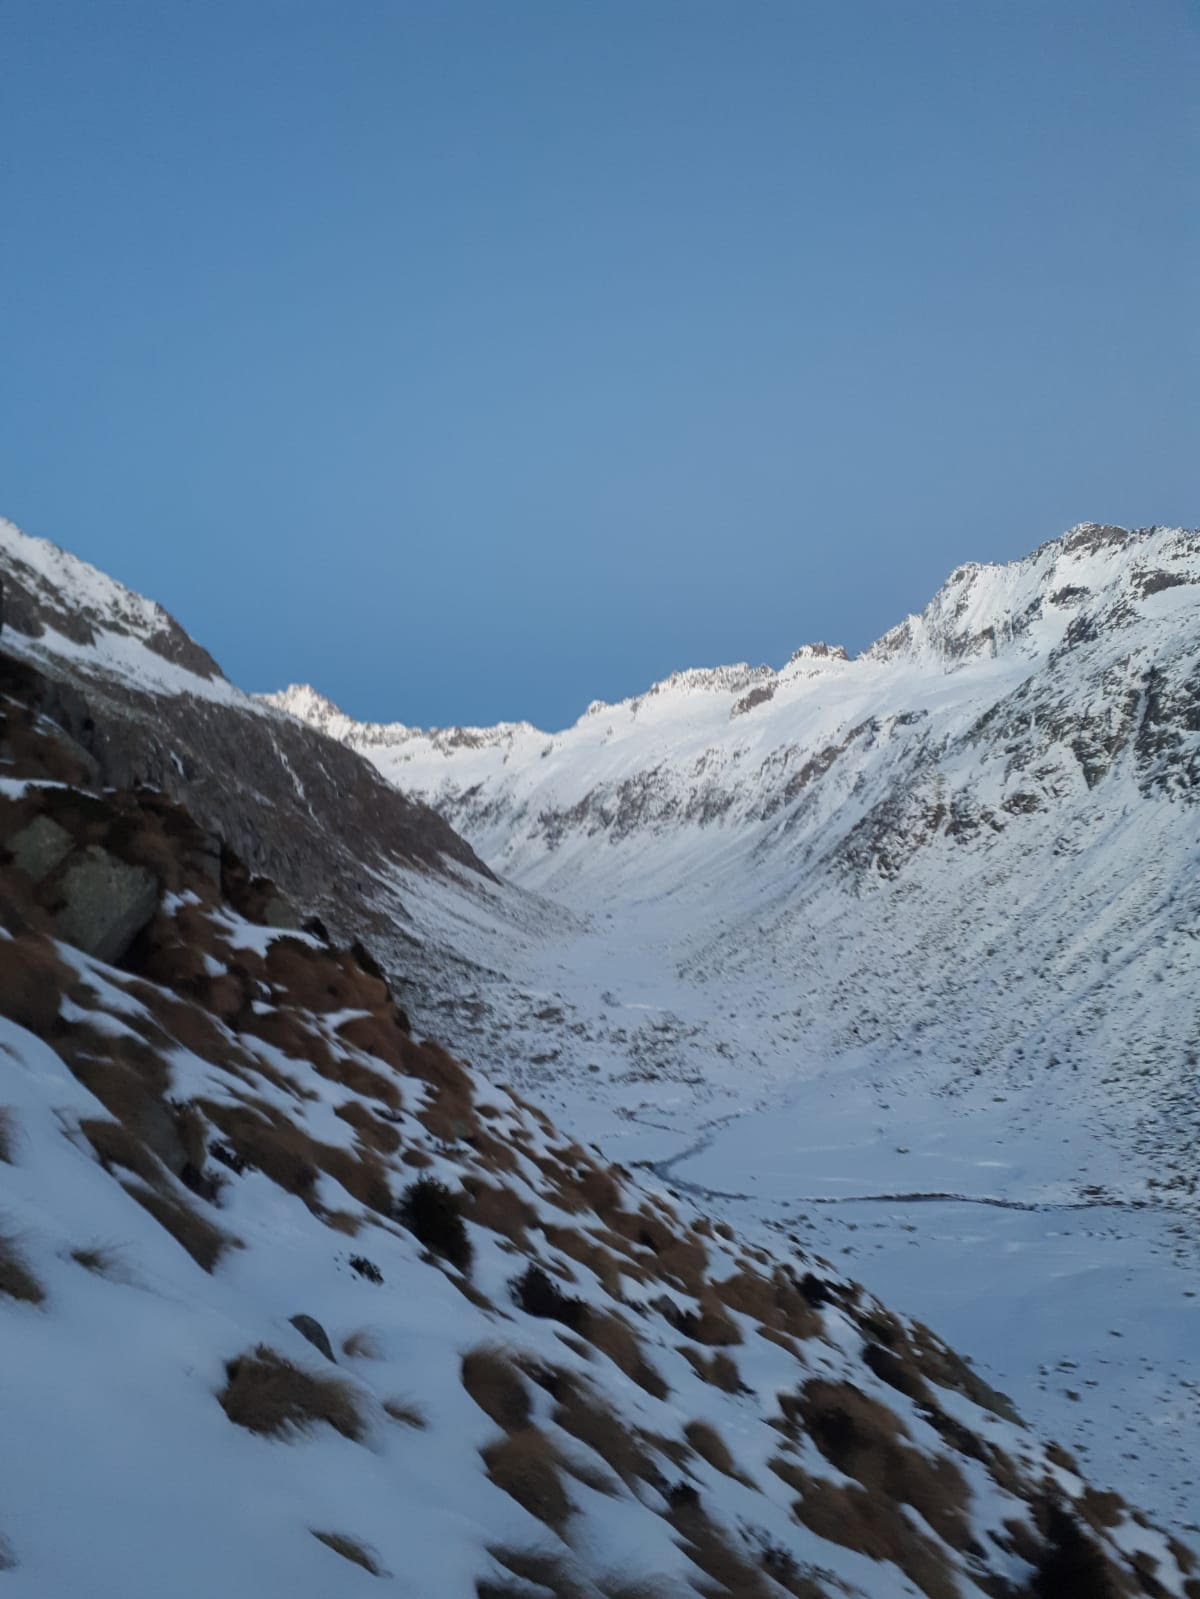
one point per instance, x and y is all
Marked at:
(344, 1310)
(914, 935)
(930, 628)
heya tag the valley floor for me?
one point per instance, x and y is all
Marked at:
(1012, 1222)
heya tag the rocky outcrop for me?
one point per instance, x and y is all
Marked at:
(103, 903)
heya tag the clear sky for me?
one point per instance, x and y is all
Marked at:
(475, 359)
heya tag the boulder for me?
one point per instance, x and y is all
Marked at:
(39, 847)
(104, 903)
(309, 1327)
(276, 912)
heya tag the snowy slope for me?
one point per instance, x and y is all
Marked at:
(922, 923)
(238, 1363)
(918, 924)
(977, 842)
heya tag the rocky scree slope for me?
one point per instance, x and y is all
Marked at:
(343, 1312)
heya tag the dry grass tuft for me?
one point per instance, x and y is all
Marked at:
(362, 1344)
(602, 1263)
(536, 1567)
(16, 1279)
(635, 1588)
(265, 1138)
(680, 1257)
(203, 1242)
(525, 1466)
(787, 1471)
(497, 1387)
(34, 981)
(128, 1076)
(593, 1423)
(710, 1446)
(405, 1412)
(876, 1527)
(863, 1439)
(350, 1549)
(775, 1301)
(720, 1370)
(267, 1394)
(375, 1133)
(614, 1338)
(498, 1209)
(102, 1259)
(115, 1145)
(941, 1365)
(601, 1482)
(706, 1548)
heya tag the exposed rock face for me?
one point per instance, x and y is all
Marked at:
(37, 849)
(105, 903)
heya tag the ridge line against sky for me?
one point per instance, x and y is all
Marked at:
(474, 363)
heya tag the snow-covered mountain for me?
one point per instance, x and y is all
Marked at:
(895, 955)
(920, 923)
(294, 1302)
(976, 842)
(1084, 648)
(300, 1304)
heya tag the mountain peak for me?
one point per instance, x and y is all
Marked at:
(984, 608)
(48, 590)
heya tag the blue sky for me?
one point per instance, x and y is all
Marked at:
(475, 360)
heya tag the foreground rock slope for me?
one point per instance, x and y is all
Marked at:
(299, 1303)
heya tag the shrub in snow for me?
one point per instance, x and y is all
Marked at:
(683, 1496)
(1072, 1567)
(539, 1295)
(365, 1268)
(433, 1213)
